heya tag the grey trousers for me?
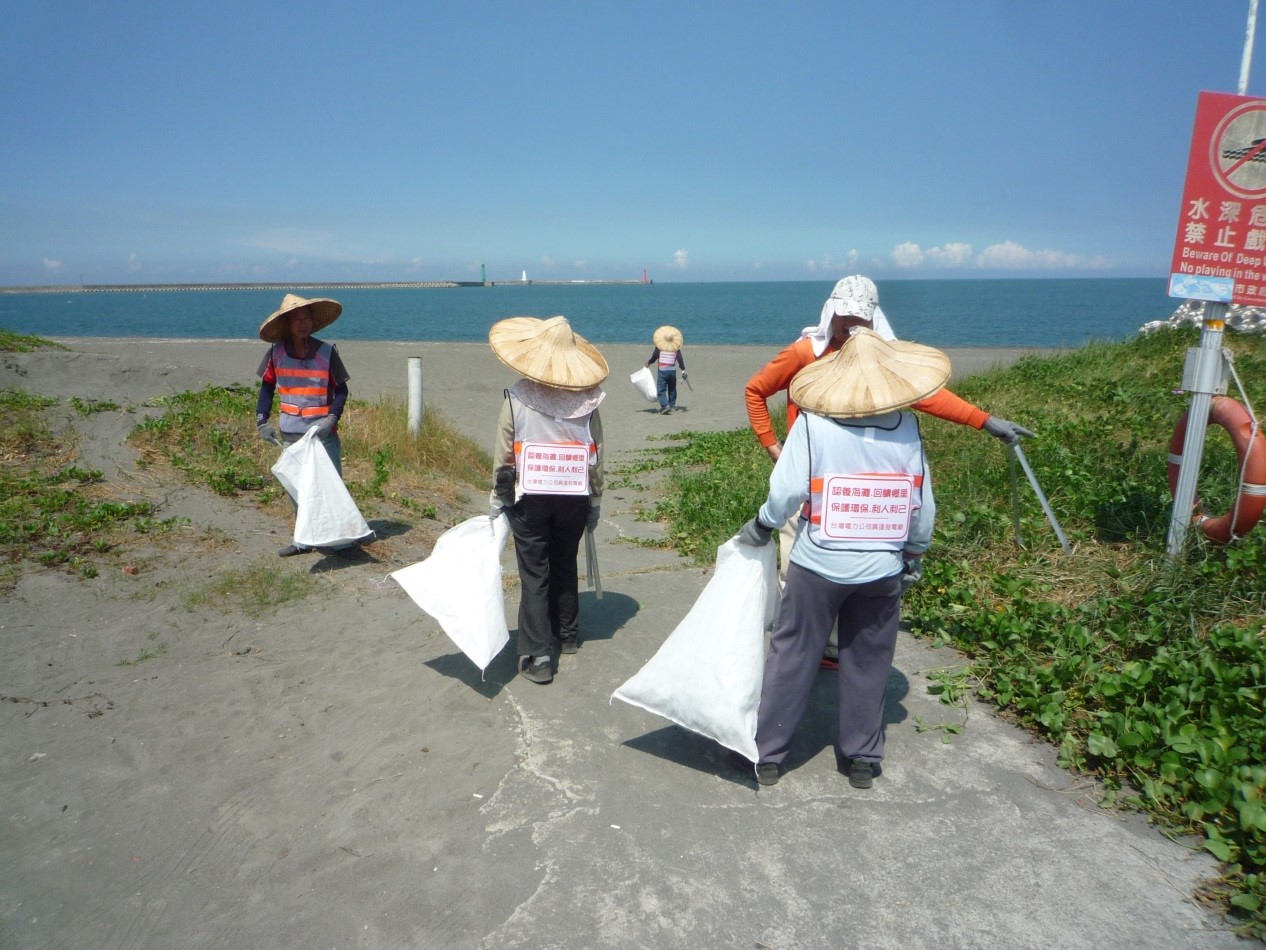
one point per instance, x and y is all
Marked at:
(867, 615)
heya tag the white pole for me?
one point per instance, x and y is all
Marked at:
(1203, 377)
(1247, 61)
(415, 395)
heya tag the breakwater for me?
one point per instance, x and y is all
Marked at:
(309, 285)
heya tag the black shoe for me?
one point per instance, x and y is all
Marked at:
(570, 645)
(537, 669)
(767, 773)
(290, 550)
(860, 774)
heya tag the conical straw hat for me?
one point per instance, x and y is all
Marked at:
(668, 339)
(868, 376)
(324, 312)
(548, 351)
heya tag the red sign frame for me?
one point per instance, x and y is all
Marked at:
(1220, 245)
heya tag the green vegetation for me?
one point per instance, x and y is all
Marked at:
(50, 510)
(255, 590)
(1146, 672)
(210, 436)
(86, 407)
(23, 343)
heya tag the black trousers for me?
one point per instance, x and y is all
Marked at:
(547, 530)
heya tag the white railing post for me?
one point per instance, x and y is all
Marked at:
(415, 395)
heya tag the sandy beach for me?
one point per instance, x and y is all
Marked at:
(340, 775)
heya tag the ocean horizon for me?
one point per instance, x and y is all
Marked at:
(1029, 312)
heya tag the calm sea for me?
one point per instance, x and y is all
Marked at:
(1037, 313)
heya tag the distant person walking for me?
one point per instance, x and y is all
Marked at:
(547, 476)
(668, 357)
(857, 464)
(308, 377)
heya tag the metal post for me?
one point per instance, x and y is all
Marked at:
(1247, 59)
(1203, 376)
(415, 395)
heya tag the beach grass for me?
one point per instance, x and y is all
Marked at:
(25, 343)
(1145, 671)
(50, 509)
(210, 437)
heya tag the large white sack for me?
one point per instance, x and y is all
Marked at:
(460, 586)
(644, 382)
(707, 675)
(327, 515)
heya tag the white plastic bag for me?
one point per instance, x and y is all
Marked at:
(327, 516)
(707, 675)
(460, 586)
(644, 382)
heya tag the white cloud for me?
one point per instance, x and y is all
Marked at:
(133, 262)
(1007, 255)
(50, 264)
(681, 259)
(547, 262)
(907, 255)
(1011, 256)
(950, 255)
(580, 265)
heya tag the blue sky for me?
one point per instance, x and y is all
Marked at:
(287, 141)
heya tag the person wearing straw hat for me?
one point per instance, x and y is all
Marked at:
(547, 476)
(667, 356)
(858, 463)
(309, 378)
(854, 302)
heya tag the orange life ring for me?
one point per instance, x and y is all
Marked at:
(1251, 452)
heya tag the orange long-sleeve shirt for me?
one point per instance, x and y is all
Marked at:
(775, 376)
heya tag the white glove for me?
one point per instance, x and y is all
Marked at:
(268, 433)
(755, 534)
(913, 573)
(1006, 430)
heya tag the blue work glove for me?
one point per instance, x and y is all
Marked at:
(913, 573)
(324, 425)
(1006, 430)
(268, 433)
(595, 512)
(755, 534)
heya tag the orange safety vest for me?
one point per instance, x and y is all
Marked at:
(304, 387)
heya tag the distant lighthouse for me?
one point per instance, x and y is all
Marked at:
(524, 277)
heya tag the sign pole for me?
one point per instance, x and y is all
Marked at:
(1247, 59)
(1224, 170)
(1203, 376)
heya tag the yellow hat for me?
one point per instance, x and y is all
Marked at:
(868, 376)
(548, 351)
(324, 312)
(667, 339)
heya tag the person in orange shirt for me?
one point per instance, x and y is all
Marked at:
(853, 303)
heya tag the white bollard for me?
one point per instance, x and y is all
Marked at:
(415, 395)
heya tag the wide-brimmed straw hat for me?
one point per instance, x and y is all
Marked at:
(548, 351)
(868, 376)
(668, 339)
(324, 312)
